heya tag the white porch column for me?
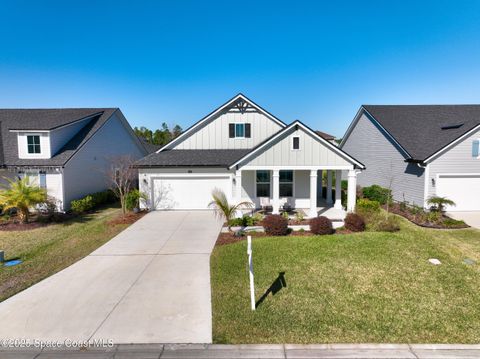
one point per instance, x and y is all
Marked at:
(329, 187)
(352, 190)
(238, 186)
(338, 190)
(313, 193)
(276, 192)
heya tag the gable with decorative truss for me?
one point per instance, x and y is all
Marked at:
(238, 124)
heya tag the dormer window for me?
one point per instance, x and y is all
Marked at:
(33, 144)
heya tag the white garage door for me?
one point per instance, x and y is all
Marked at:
(464, 190)
(194, 192)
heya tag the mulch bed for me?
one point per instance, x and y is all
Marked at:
(228, 238)
(395, 208)
(17, 226)
(128, 218)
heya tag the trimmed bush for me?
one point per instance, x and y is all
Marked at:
(377, 193)
(321, 225)
(103, 197)
(354, 222)
(275, 225)
(91, 201)
(82, 205)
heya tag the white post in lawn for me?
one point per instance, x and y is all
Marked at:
(352, 190)
(329, 187)
(313, 193)
(276, 192)
(338, 190)
(250, 270)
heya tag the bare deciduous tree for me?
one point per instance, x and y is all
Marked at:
(121, 176)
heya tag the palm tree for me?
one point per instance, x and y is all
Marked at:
(21, 195)
(439, 203)
(223, 209)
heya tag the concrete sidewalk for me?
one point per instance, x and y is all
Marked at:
(149, 284)
(199, 351)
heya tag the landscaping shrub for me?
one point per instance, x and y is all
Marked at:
(91, 201)
(275, 225)
(321, 225)
(384, 223)
(246, 220)
(433, 216)
(132, 199)
(450, 222)
(103, 197)
(235, 222)
(82, 205)
(377, 193)
(367, 205)
(354, 222)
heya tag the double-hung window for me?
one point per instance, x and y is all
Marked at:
(286, 183)
(263, 183)
(33, 144)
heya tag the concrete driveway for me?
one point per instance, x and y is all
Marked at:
(472, 218)
(149, 284)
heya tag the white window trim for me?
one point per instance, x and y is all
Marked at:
(238, 137)
(291, 143)
(39, 144)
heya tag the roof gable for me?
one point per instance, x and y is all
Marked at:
(240, 102)
(327, 153)
(424, 130)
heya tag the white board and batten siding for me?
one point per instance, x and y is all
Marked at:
(456, 174)
(385, 163)
(214, 134)
(85, 172)
(312, 152)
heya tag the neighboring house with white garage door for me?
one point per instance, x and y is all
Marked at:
(251, 155)
(65, 151)
(419, 151)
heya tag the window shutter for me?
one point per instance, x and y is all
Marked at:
(248, 128)
(475, 148)
(231, 130)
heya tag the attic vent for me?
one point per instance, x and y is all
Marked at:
(449, 127)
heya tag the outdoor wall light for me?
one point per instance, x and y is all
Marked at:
(433, 182)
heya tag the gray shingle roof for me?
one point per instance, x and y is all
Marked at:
(418, 128)
(192, 158)
(47, 119)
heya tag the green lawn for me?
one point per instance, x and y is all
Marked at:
(50, 249)
(366, 287)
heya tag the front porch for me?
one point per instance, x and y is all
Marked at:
(312, 191)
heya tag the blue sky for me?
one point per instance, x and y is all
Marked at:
(175, 61)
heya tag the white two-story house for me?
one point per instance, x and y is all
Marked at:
(66, 151)
(251, 155)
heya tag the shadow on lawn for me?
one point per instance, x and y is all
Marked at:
(274, 288)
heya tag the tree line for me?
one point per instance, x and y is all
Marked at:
(160, 136)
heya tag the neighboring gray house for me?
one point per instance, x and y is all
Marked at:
(252, 156)
(66, 151)
(419, 151)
